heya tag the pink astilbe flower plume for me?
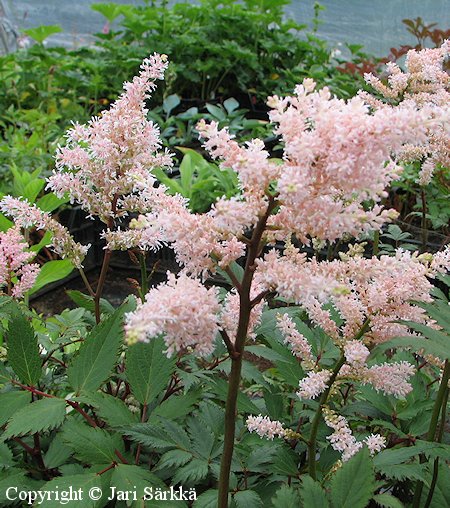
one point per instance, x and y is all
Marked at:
(26, 215)
(106, 165)
(425, 84)
(182, 310)
(344, 441)
(265, 427)
(17, 274)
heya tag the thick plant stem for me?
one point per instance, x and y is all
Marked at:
(315, 423)
(431, 434)
(236, 356)
(230, 417)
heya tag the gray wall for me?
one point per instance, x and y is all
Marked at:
(374, 23)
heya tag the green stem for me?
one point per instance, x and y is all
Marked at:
(315, 423)
(431, 435)
(322, 401)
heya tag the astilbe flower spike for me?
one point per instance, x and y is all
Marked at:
(106, 165)
(344, 441)
(26, 216)
(182, 310)
(17, 274)
(426, 84)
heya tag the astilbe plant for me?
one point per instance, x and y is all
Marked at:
(339, 157)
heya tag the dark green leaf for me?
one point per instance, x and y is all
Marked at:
(312, 494)
(246, 498)
(23, 350)
(148, 369)
(91, 444)
(11, 402)
(354, 483)
(98, 354)
(40, 416)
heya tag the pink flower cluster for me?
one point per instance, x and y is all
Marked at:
(26, 216)
(344, 441)
(106, 165)
(182, 310)
(265, 427)
(426, 85)
(17, 275)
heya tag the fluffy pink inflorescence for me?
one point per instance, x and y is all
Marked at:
(26, 216)
(17, 275)
(376, 290)
(265, 427)
(182, 310)
(106, 165)
(298, 344)
(425, 84)
(343, 440)
(375, 443)
(313, 384)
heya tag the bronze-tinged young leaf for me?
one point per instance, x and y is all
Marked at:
(40, 416)
(23, 350)
(98, 354)
(353, 484)
(148, 370)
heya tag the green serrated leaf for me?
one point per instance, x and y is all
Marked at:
(148, 369)
(91, 444)
(177, 406)
(110, 409)
(246, 498)
(6, 456)
(286, 462)
(286, 497)
(40, 416)
(23, 350)
(11, 402)
(57, 453)
(354, 483)
(82, 483)
(126, 477)
(387, 501)
(207, 500)
(98, 354)
(312, 494)
(191, 473)
(174, 458)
